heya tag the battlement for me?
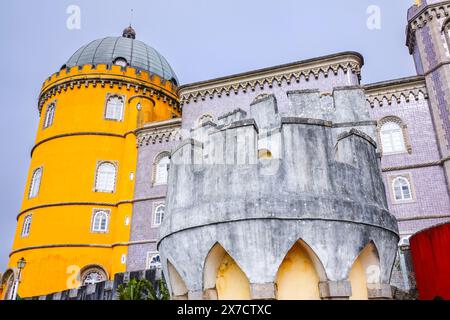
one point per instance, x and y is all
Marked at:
(109, 75)
(103, 71)
(332, 118)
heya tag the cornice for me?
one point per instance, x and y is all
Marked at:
(346, 61)
(153, 90)
(396, 89)
(159, 132)
(422, 17)
(84, 245)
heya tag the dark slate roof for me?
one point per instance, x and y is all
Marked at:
(137, 54)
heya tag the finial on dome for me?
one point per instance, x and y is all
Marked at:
(129, 33)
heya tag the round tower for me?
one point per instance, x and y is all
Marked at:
(280, 205)
(74, 223)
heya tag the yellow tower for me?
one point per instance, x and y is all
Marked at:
(75, 218)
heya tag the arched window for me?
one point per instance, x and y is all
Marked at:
(35, 183)
(392, 139)
(100, 221)
(105, 178)
(159, 214)
(93, 275)
(49, 115)
(114, 108)
(402, 189)
(26, 226)
(153, 260)
(161, 172)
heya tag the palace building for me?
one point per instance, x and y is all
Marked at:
(290, 182)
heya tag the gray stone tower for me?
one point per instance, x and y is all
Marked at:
(276, 205)
(428, 39)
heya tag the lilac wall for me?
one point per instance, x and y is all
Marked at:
(220, 105)
(142, 229)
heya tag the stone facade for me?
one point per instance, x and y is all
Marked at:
(321, 184)
(419, 102)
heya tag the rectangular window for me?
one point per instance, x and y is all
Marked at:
(114, 108)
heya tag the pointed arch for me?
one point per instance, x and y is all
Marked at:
(177, 284)
(299, 274)
(223, 275)
(365, 272)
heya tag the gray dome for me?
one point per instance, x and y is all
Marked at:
(129, 51)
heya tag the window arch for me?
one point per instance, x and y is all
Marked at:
(114, 107)
(49, 115)
(105, 180)
(35, 183)
(161, 169)
(402, 189)
(26, 226)
(393, 136)
(159, 214)
(100, 221)
(93, 274)
(153, 260)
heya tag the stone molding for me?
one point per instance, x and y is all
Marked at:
(424, 217)
(346, 61)
(396, 89)
(81, 245)
(416, 166)
(107, 134)
(102, 204)
(159, 132)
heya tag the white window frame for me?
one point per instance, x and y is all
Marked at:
(26, 226)
(408, 177)
(95, 213)
(97, 180)
(157, 179)
(393, 136)
(149, 258)
(35, 185)
(155, 209)
(49, 115)
(116, 115)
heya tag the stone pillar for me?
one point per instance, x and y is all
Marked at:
(263, 291)
(335, 290)
(379, 291)
(210, 294)
(183, 297)
(195, 295)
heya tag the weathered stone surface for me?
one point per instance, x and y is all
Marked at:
(323, 187)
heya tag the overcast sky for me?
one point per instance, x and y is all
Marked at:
(201, 39)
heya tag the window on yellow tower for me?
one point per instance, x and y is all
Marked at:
(49, 115)
(100, 221)
(26, 227)
(114, 108)
(105, 177)
(35, 183)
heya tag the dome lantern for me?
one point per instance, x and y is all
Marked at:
(129, 32)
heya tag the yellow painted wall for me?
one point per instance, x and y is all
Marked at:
(62, 211)
(357, 278)
(232, 283)
(297, 278)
